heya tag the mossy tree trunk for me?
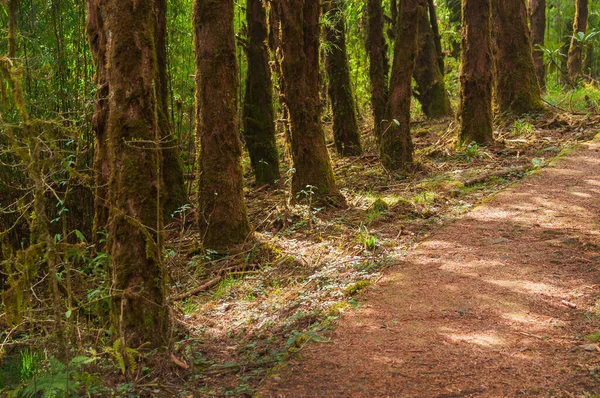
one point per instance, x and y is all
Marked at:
(222, 211)
(313, 177)
(96, 32)
(259, 118)
(437, 38)
(575, 56)
(431, 88)
(378, 64)
(172, 172)
(345, 125)
(138, 310)
(537, 12)
(396, 148)
(516, 88)
(475, 110)
(454, 8)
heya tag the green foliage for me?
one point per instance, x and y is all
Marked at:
(366, 239)
(55, 380)
(522, 127)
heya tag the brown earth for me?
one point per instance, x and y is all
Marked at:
(497, 304)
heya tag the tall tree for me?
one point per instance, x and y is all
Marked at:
(575, 56)
(437, 37)
(537, 12)
(222, 210)
(475, 110)
(172, 172)
(345, 125)
(516, 88)
(431, 88)
(96, 31)
(396, 148)
(300, 66)
(378, 63)
(259, 118)
(138, 310)
(455, 17)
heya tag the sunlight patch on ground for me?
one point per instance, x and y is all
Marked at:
(485, 339)
(528, 287)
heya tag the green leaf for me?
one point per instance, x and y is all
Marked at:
(68, 313)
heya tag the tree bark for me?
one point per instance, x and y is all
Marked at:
(259, 118)
(437, 38)
(575, 56)
(431, 88)
(475, 110)
(172, 172)
(396, 148)
(454, 8)
(537, 12)
(222, 210)
(378, 64)
(516, 89)
(138, 310)
(96, 31)
(345, 125)
(313, 177)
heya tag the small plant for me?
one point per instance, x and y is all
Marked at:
(538, 163)
(522, 127)
(368, 241)
(28, 365)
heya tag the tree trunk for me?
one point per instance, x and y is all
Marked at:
(538, 30)
(222, 210)
(431, 88)
(313, 178)
(516, 89)
(138, 310)
(378, 64)
(259, 118)
(345, 125)
(96, 31)
(475, 111)
(575, 57)
(174, 193)
(437, 38)
(13, 7)
(396, 148)
(454, 8)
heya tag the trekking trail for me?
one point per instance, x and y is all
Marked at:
(503, 302)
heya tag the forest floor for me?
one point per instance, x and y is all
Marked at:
(502, 302)
(427, 284)
(487, 309)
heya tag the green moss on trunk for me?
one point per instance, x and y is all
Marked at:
(138, 311)
(378, 64)
(174, 193)
(259, 124)
(221, 208)
(575, 56)
(431, 88)
(313, 174)
(516, 88)
(537, 13)
(396, 148)
(345, 125)
(475, 111)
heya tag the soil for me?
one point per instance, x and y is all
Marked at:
(502, 302)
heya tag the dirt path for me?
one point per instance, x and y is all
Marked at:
(496, 304)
